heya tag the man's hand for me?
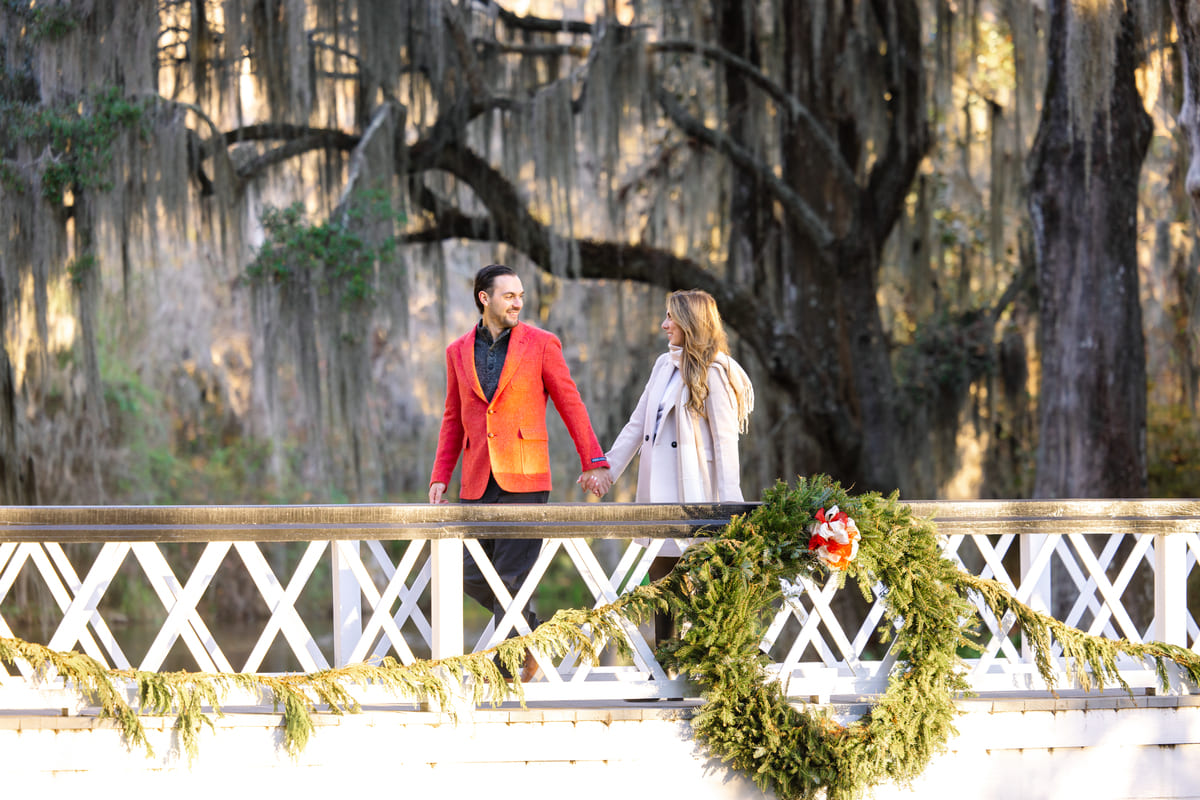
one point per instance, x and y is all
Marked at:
(436, 490)
(597, 481)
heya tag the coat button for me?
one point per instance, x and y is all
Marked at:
(491, 436)
(672, 444)
(491, 411)
(647, 437)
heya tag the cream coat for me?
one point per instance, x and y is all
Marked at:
(692, 459)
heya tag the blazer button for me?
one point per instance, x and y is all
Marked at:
(672, 444)
(491, 411)
(491, 436)
(647, 437)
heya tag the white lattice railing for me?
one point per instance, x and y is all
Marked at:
(342, 584)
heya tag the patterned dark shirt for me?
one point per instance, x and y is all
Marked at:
(489, 358)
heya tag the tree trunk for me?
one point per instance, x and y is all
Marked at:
(17, 485)
(850, 406)
(1083, 201)
(1188, 25)
(747, 217)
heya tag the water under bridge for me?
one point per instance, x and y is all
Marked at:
(338, 585)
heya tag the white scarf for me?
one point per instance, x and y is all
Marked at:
(735, 376)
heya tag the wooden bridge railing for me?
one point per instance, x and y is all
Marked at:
(391, 583)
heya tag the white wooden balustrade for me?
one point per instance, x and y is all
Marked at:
(394, 573)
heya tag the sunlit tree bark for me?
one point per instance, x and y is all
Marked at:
(1187, 23)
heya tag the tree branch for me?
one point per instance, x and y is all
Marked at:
(796, 110)
(358, 160)
(908, 131)
(296, 147)
(198, 150)
(267, 131)
(491, 45)
(534, 24)
(510, 222)
(302, 139)
(804, 214)
(423, 153)
(462, 44)
(1025, 279)
(510, 217)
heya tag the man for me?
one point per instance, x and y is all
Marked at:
(498, 377)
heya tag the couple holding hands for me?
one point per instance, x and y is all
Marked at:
(498, 376)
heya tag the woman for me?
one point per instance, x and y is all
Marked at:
(687, 421)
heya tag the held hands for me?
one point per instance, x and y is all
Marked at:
(597, 481)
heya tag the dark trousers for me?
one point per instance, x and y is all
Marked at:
(664, 622)
(512, 558)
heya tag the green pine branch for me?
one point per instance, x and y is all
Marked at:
(1089, 661)
(724, 592)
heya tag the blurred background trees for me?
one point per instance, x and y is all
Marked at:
(953, 240)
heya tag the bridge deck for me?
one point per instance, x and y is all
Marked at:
(1110, 746)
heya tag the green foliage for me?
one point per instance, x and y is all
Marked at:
(17, 82)
(78, 138)
(11, 180)
(1173, 452)
(726, 590)
(78, 268)
(237, 473)
(43, 21)
(187, 694)
(947, 353)
(89, 676)
(332, 256)
(174, 458)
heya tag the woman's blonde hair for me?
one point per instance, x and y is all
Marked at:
(695, 313)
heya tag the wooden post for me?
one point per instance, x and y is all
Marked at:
(1170, 589)
(1041, 595)
(446, 610)
(1170, 600)
(446, 590)
(347, 602)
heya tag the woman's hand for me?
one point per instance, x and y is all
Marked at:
(597, 481)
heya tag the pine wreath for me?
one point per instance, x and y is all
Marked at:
(728, 589)
(725, 591)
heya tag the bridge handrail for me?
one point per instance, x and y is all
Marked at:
(1162, 536)
(307, 523)
(267, 523)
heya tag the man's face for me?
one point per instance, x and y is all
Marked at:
(503, 306)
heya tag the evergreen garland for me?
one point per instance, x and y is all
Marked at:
(724, 592)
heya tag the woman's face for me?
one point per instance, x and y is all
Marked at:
(674, 332)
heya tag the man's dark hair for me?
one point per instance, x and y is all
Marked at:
(486, 277)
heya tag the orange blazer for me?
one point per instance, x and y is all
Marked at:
(507, 437)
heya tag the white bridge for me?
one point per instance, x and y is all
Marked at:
(393, 576)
